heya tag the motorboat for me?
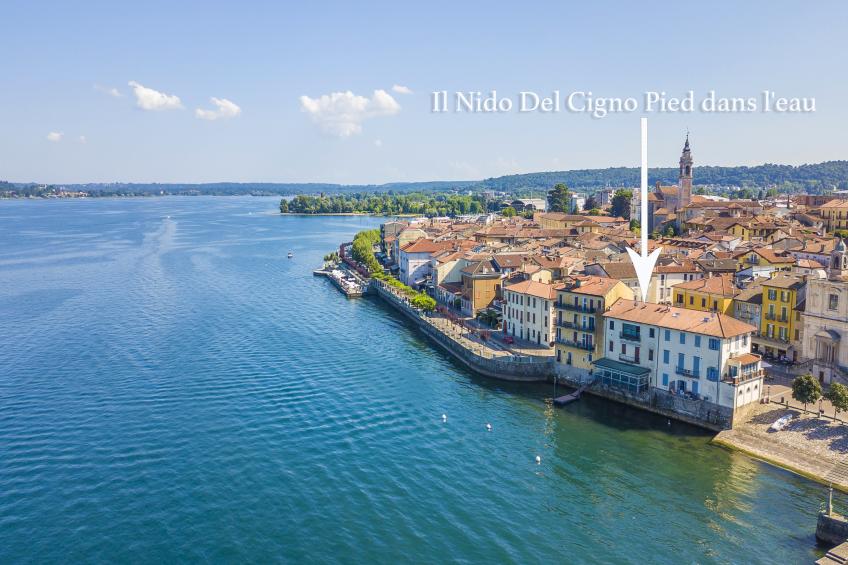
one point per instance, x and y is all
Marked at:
(781, 423)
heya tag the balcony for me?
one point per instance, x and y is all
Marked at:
(628, 358)
(687, 372)
(744, 377)
(629, 336)
(575, 308)
(572, 326)
(575, 344)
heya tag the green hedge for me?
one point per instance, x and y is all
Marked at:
(417, 299)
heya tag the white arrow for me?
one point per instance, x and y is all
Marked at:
(644, 264)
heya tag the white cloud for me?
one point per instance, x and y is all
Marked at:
(111, 91)
(149, 99)
(55, 136)
(400, 89)
(82, 139)
(342, 113)
(223, 109)
(378, 142)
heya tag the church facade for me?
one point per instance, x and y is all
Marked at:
(826, 321)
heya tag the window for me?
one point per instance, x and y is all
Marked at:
(680, 298)
(682, 338)
(697, 341)
(665, 379)
(651, 332)
(668, 335)
(745, 339)
(691, 300)
(833, 302)
(665, 356)
(714, 344)
(611, 347)
(650, 355)
(624, 349)
(612, 325)
(712, 374)
(715, 305)
(772, 294)
(783, 297)
(703, 303)
(681, 360)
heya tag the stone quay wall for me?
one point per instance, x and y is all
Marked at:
(481, 359)
(832, 528)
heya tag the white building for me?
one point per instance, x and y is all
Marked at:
(703, 355)
(528, 311)
(414, 260)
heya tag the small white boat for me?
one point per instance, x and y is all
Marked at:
(291, 254)
(781, 423)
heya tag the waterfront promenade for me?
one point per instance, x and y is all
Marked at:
(482, 355)
(811, 446)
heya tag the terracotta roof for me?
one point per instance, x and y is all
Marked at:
(746, 358)
(588, 284)
(809, 264)
(720, 284)
(792, 282)
(426, 246)
(509, 260)
(623, 270)
(533, 288)
(681, 319)
(835, 204)
(753, 294)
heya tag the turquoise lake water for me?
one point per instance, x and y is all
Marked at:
(173, 388)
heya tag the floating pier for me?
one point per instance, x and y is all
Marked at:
(571, 397)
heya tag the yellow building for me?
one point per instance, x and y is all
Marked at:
(780, 326)
(580, 305)
(835, 215)
(765, 257)
(710, 294)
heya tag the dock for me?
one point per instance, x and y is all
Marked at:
(571, 397)
(348, 283)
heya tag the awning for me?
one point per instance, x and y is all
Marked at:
(613, 365)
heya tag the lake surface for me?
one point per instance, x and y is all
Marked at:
(173, 388)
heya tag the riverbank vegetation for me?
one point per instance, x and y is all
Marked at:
(416, 203)
(362, 250)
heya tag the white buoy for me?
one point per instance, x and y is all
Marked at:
(489, 427)
(444, 417)
(538, 460)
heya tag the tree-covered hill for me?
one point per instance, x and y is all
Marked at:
(814, 178)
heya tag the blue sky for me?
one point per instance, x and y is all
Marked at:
(258, 59)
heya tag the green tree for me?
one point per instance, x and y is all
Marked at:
(806, 389)
(594, 212)
(558, 200)
(423, 302)
(591, 203)
(838, 396)
(284, 206)
(669, 231)
(508, 212)
(621, 204)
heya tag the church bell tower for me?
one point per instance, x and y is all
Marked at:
(684, 180)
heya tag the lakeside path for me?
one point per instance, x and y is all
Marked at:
(816, 448)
